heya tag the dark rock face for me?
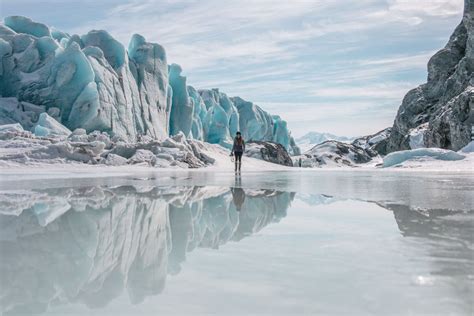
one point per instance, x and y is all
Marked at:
(269, 151)
(444, 104)
(375, 144)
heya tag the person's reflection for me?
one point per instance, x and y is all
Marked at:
(238, 197)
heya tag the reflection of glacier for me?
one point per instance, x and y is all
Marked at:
(88, 245)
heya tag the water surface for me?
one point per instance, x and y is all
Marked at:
(351, 243)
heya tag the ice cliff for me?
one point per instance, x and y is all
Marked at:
(95, 83)
(439, 113)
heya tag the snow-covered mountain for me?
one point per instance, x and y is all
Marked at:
(311, 139)
(93, 82)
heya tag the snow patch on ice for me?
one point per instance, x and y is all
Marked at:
(417, 136)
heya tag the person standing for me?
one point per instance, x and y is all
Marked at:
(238, 150)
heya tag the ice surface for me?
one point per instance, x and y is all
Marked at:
(399, 157)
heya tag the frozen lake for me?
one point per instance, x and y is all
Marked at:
(200, 243)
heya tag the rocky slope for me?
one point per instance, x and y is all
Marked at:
(268, 151)
(333, 153)
(95, 83)
(439, 113)
(375, 144)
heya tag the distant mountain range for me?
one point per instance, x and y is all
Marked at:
(312, 139)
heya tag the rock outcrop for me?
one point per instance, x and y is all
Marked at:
(332, 153)
(268, 151)
(440, 113)
(375, 144)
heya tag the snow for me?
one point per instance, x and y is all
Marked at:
(417, 136)
(11, 128)
(399, 157)
(469, 148)
(311, 139)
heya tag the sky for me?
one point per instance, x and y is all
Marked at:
(338, 66)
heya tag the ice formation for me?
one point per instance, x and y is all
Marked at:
(52, 143)
(89, 245)
(399, 157)
(93, 82)
(469, 148)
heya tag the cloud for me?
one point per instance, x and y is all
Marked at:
(336, 58)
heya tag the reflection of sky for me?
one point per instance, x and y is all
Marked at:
(336, 66)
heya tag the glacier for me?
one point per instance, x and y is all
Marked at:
(93, 82)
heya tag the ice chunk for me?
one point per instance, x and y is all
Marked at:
(280, 132)
(13, 111)
(399, 157)
(5, 49)
(11, 128)
(21, 24)
(143, 156)
(222, 118)
(469, 148)
(47, 126)
(199, 114)
(150, 70)
(181, 117)
(113, 50)
(115, 160)
(58, 35)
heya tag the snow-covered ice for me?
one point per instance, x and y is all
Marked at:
(399, 157)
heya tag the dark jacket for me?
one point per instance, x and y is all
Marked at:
(238, 148)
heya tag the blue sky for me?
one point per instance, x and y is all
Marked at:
(336, 66)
